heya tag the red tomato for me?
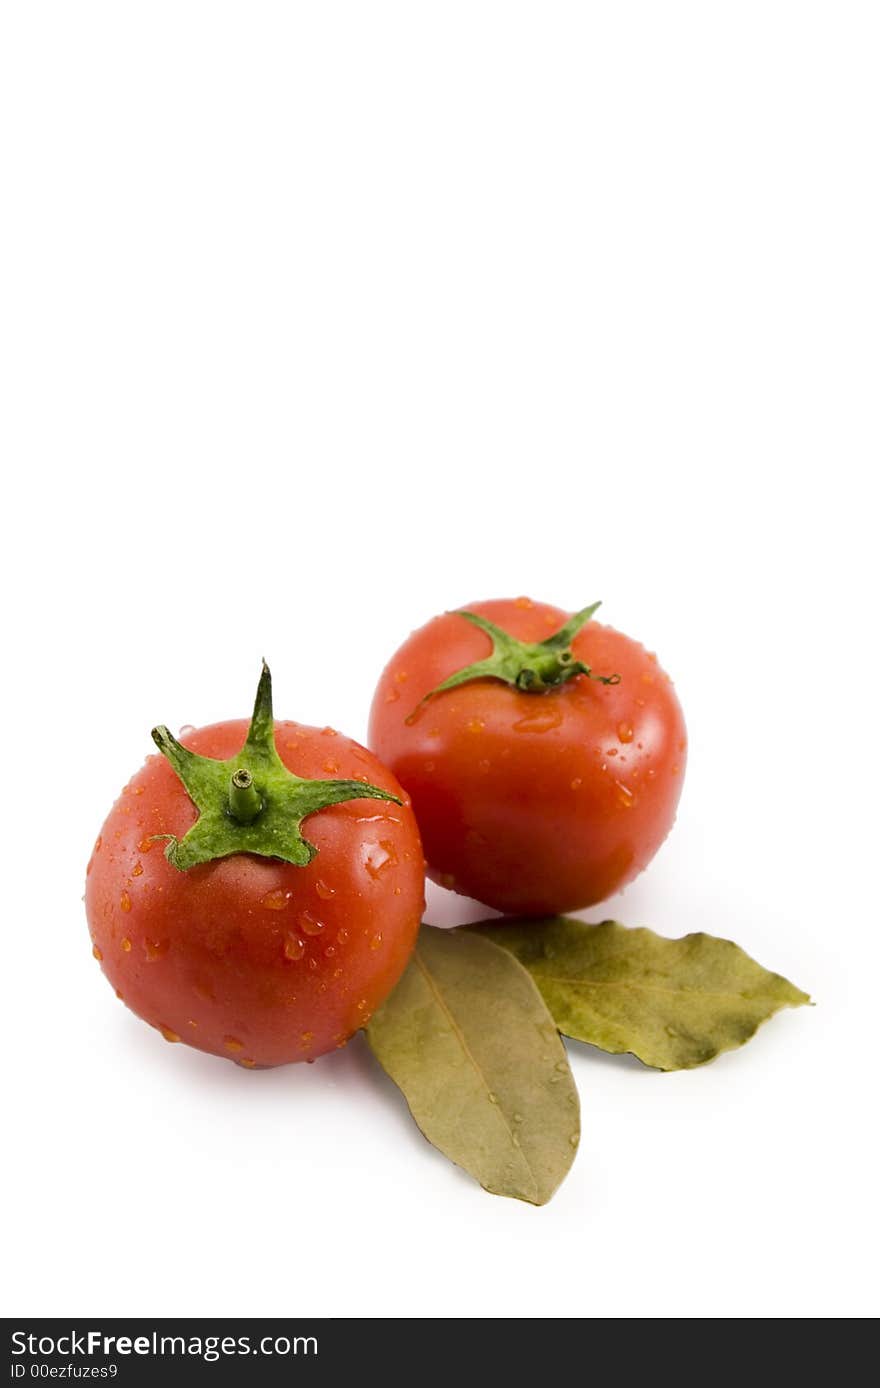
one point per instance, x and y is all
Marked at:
(249, 957)
(533, 803)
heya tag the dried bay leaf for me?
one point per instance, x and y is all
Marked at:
(673, 1003)
(468, 1039)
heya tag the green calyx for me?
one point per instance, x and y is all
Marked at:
(533, 668)
(251, 803)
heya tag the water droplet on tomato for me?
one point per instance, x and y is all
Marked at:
(330, 766)
(576, 783)
(155, 949)
(376, 942)
(475, 725)
(137, 870)
(341, 936)
(97, 954)
(328, 732)
(125, 943)
(98, 842)
(145, 844)
(294, 948)
(247, 1062)
(523, 602)
(125, 902)
(186, 730)
(169, 1034)
(309, 923)
(380, 856)
(362, 1004)
(232, 1043)
(392, 696)
(276, 900)
(324, 892)
(329, 951)
(625, 732)
(307, 1038)
(543, 720)
(625, 796)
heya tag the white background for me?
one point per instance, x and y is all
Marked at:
(319, 319)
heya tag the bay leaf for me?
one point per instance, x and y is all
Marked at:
(468, 1039)
(673, 1003)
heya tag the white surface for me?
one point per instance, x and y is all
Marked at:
(415, 304)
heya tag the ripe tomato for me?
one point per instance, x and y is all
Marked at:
(532, 802)
(250, 957)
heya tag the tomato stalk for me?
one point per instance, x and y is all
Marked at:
(245, 801)
(531, 667)
(251, 803)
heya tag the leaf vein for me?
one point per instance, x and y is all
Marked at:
(462, 1040)
(639, 987)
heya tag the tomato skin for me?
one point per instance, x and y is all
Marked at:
(532, 803)
(252, 958)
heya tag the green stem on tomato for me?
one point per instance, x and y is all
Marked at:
(251, 803)
(245, 801)
(531, 667)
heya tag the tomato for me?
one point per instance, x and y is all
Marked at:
(540, 796)
(250, 957)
